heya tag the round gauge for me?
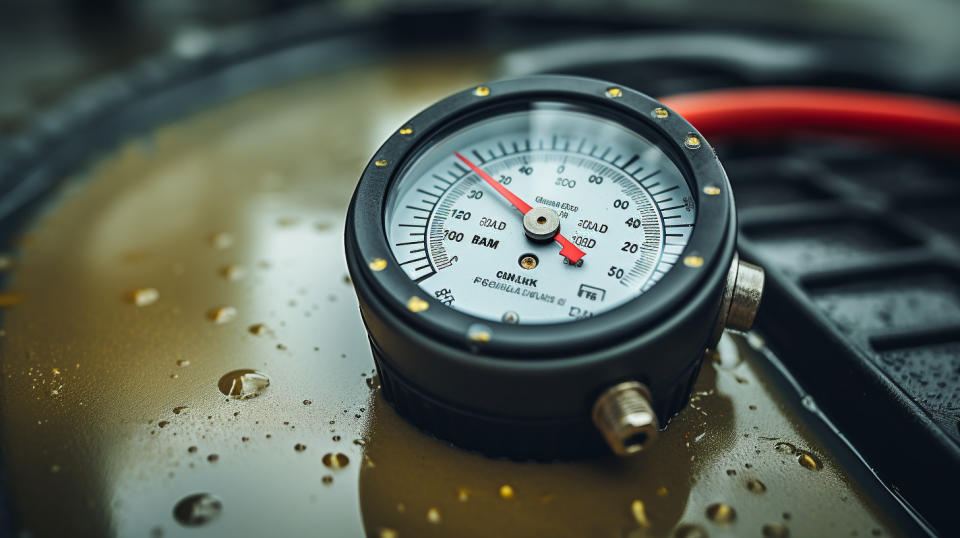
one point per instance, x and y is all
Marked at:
(622, 208)
(541, 264)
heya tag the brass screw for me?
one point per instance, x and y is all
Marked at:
(711, 190)
(614, 93)
(406, 130)
(380, 163)
(416, 304)
(528, 262)
(692, 141)
(378, 264)
(481, 91)
(660, 113)
(693, 261)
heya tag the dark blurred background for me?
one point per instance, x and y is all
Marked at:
(49, 47)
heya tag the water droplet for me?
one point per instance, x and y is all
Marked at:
(433, 516)
(307, 402)
(299, 447)
(197, 509)
(785, 448)
(6, 262)
(192, 449)
(221, 240)
(373, 383)
(359, 442)
(808, 460)
(180, 409)
(506, 492)
(661, 491)
(336, 437)
(232, 272)
(639, 513)
(388, 533)
(213, 458)
(183, 363)
(731, 472)
(258, 329)
(690, 531)
(144, 296)
(221, 314)
(335, 461)
(243, 384)
(163, 423)
(756, 486)
(327, 479)
(721, 513)
(775, 530)
(463, 495)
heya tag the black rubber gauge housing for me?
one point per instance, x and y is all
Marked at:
(527, 390)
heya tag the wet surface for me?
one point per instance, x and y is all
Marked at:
(931, 376)
(212, 247)
(810, 246)
(892, 301)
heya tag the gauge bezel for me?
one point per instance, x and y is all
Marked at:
(700, 168)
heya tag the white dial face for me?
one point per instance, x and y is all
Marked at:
(455, 219)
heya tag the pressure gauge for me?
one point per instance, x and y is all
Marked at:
(541, 264)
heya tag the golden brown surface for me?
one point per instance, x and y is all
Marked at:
(212, 248)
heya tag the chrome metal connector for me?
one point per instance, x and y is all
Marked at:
(625, 417)
(741, 298)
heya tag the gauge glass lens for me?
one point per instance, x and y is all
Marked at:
(617, 197)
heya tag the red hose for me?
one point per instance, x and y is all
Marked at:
(774, 112)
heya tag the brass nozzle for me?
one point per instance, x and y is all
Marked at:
(625, 417)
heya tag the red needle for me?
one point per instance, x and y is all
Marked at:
(568, 250)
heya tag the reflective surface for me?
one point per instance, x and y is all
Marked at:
(182, 356)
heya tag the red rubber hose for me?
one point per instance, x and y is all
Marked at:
(774, 112)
